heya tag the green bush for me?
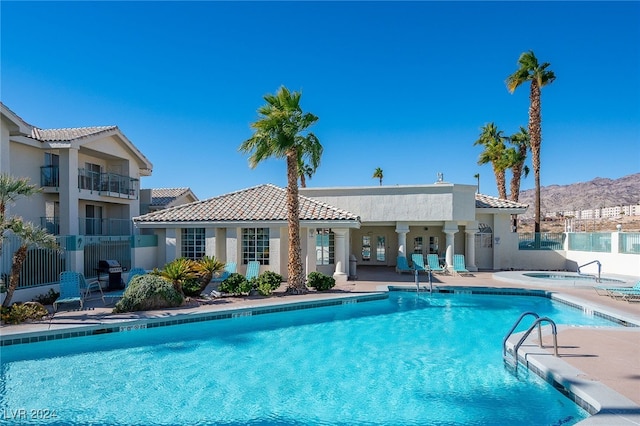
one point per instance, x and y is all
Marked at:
(235, 284)
(192, 287)
(21, 312)
(148, 292)
(47, 298)
(267, 282)
(320, 281)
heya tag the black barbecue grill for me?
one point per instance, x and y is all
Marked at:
(114, 269)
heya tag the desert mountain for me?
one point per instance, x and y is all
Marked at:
(597, 193)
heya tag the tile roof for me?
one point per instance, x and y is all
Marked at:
(488, 202)
(49, 135)
(164, 196)
(259, 203)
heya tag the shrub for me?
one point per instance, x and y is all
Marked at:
(21, 312)
(192, 287)
(235, 284)
(267, 282)
(147, 292)
(320, 281)
(47, 298)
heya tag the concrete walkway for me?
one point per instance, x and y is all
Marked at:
(608, 358)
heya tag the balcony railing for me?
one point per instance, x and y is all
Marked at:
(104, 183)
(90, 226)
(107, 227)
(540, 241)
(111, 183)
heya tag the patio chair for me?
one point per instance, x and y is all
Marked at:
(253, 270)
(229, 269)
(402, 265)
(615, 291)
(434, 264)
(87, 287)
(69, 290)
(459, 267)
(418, 262)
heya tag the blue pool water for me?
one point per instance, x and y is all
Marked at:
(405, 360)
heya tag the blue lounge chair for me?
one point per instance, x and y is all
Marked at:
(402, 265)
(434, 264)
(132, 274)
(229, 269)
(69, 290)
(418, 262)
(253, 270)
(616, 291)
(459, 265)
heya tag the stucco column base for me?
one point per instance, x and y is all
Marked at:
(340, 277)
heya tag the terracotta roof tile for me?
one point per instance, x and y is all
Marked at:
(488, 202)
(164, 196)
(260, 203)
(49, 135)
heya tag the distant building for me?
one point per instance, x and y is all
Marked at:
(155, 199)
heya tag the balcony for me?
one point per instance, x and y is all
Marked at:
(91, 226)
(109, 184)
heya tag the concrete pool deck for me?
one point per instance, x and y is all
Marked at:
(598, 365)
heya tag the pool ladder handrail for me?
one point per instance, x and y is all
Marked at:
(515, 324)
(589, 275)
(537, 322)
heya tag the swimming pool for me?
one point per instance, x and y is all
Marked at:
(571, 277)
(406, 360)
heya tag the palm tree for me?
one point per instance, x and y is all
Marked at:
(477, 176)
(496, 153)
(12, 188)
(178, 271)
(377, 174)
(520, 141)
(30, 235)
(281, 132)
(539, 76)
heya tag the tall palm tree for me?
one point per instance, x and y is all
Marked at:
(496, 153)
(30, 235)
(520, 141)
(282, 132)
(539, 76)
(313, 152)
(477, 176)
(377, 174)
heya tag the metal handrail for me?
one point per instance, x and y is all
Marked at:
(589, 263)
(537, 322)
(524, 314)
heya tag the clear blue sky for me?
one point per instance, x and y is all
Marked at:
(400, 86)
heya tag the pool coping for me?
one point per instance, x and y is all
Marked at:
(606, 406)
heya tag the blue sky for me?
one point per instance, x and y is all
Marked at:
(400, 86)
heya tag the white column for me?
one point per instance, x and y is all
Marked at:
(69, 215)
(402, 229)
(341, 257)
(450, 229)
(470, 247)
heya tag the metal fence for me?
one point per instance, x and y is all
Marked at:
(106, 248)
(629, 242)
(540, 241)
(41, 266)
(592, 241)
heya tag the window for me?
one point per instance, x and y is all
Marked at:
(325, 247)
(381, 249)
(50, 171)
(90, 178)
(433, 245)
(417, 245)
(193, 243)
(366, 248)
(93, 220)
(255, 245)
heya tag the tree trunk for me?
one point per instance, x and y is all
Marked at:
(303, 181)
(501, 182)
(536, 139)
(295, 279)
(16, 265)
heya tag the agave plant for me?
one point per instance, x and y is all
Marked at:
(206, 267)
(178, 271)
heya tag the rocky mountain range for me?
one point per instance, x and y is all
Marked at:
(597, 193)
